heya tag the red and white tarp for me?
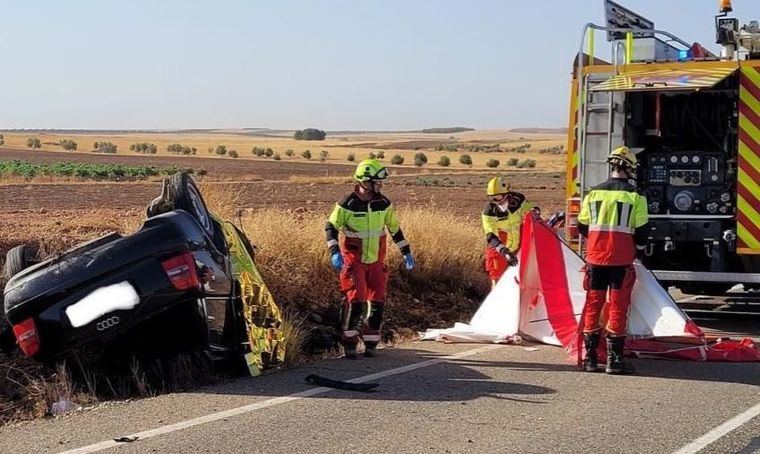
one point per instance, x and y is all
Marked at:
(543, 299)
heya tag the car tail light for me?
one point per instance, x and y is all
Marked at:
(571, 223)
(26, 336)
(181, 272)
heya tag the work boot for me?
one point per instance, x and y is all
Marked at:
(350, 351)
(616, 363)
(370, 350)
(591, 342)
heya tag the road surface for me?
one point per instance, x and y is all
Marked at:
(435, 398)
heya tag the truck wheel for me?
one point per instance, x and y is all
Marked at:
(188, 197)
(18, 259)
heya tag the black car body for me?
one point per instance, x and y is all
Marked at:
(173, 285)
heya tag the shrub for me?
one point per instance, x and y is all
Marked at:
(68, 144)
(2, 140)
(258, 151)
(105, 147)
(381, 154)
(306, 154)
(351, 157)
(527, 164)
(371, 155)
(310, 134)
(493, 163)
(221, 150)
(33, 143)
(276, 157)
(323, 155)
(512, 162)
(397, 160)
(232, 153)
(176, 148)
(289, 153)
(444, 161)
(465, 159)
(269, 153)
(420, 159)
(146, 148)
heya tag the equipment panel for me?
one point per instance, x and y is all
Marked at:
(686, 182)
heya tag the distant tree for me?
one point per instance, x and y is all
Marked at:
(33, 143)
(323, 155)
(306, 154)
(68, 144)
(2, 140)
(105, 147)
(232, 153)
(528, 163)
(276, 157)
(511, 162)
(420, 159)
(351, 157)
(258, 151)
(381, 154)
(269, 152)
(444, 161)
(145, 148)
(221, 150)
(372, 155)
(397, 160)
(465, 159)
(493, 163)
(310, 134)
(289, 153)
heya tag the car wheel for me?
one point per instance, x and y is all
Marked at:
(188, 197)
(18, 259)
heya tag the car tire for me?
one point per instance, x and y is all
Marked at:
(188, 197)
(18, 259)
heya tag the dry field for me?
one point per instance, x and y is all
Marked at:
(338, 145)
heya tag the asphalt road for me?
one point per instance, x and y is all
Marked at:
(434, 398)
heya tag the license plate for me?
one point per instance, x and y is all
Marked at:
(116, 297)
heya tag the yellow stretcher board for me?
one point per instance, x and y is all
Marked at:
(263, 319)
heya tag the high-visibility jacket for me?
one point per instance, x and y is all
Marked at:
(611, 214)
(364, 224)
(503, 227)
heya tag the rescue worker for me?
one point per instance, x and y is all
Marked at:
(613, 218)
(363, 216)
(502, 219)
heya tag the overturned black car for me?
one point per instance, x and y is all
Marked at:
(185, 279)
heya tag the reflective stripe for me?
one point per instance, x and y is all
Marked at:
(371, 338)
(350, 333)
(611, 228)
(624, 214)
(332, 243)
(364, 234)
(402, 244)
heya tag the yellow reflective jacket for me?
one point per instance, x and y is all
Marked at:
(503, 227)
(364, 224)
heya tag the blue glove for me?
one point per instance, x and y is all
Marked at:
(337, 261)
(409, 262)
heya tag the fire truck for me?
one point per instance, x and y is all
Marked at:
(693, 119)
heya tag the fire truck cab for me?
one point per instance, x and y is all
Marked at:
(693, 119)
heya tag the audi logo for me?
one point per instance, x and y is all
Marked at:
(107, 323)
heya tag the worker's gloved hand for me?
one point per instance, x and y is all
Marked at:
(337, 261)
(509, 255)
(409, 262)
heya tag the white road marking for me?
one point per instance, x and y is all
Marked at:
(720, 431)
(271, 402)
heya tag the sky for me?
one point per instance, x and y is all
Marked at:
(287, 64)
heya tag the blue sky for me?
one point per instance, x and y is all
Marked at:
(339, 64)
